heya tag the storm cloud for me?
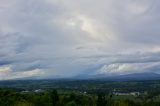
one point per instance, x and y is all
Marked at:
(50, 38)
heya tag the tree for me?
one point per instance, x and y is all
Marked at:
(54, 97)
(101, 101)
(72, 103)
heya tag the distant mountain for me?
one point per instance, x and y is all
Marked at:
(138, 76)
(127, 77)
(39, 78)
(134, 76)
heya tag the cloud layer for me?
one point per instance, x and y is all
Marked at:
(67, 38)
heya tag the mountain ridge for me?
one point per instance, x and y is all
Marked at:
(133, 76)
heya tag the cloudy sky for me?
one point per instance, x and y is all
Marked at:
(64, 38)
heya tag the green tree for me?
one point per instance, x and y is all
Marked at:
(54, 97)
(72, 103)
(101, 101)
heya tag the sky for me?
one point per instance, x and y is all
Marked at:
(66, 38)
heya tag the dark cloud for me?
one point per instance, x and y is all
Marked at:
(78, 37)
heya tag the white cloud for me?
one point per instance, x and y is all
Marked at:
(6, 73)
(127, 68)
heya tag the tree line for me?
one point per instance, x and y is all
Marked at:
(12, 97)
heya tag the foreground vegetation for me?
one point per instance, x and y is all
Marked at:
(79, 93)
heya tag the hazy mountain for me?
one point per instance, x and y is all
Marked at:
(134, 76)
